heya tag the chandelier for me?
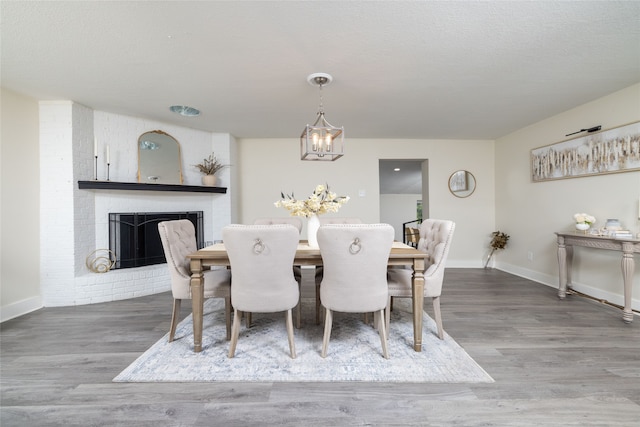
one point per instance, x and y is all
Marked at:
(321, 140)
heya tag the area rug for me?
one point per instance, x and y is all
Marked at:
(262, 353)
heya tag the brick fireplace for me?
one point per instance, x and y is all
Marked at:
(74, 222)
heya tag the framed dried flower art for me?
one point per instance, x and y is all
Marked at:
(609, 151)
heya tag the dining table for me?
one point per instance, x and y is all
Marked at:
(216, 255)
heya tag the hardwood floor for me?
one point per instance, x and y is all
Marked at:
(555, 363)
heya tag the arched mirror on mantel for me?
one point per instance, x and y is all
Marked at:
(159, 160)
(462, 183)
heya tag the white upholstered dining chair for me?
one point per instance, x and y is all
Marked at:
(355, 258)
(435, 240)
(325, 220)
(261, 258)
(297, 271)
(179, 240)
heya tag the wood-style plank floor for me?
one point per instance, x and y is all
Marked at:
(555, 363)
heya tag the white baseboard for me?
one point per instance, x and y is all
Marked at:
(19, 308)
(464, 264)
(552, 281)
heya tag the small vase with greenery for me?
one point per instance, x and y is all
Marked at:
(209, 167)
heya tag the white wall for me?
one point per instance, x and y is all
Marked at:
(531, 212)
(396, 209)
(269, 166)
(19, 206)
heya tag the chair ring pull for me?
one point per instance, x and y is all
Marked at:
(355, 247)
(258, 247)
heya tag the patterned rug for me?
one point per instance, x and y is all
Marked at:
(262, 353)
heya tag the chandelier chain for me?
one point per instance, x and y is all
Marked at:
(321, 106)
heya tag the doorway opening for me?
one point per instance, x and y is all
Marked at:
(404, 193)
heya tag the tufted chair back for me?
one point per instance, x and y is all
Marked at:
(435, 241)
(178, 240)
(293, 220)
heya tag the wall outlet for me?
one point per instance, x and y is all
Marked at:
(530, 255)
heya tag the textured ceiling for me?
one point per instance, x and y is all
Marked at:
(419, 69)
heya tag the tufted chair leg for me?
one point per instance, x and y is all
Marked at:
(318, 306)
(235, 331)
(289, 322)
(438, 316)
(174, 318)
(298, 308)
(387, 315)
(227, 316)
(328, 321)
(379, 321)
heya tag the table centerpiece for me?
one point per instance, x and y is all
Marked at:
(321, 201)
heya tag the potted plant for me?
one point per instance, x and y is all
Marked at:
(209, 167)
(499, 241)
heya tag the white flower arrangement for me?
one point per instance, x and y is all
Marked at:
(583, 218)
(320, 202)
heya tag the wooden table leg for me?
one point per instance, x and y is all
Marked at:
(628, 266)
(418, 302)
(197, 301)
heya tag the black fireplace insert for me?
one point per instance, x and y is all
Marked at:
(135, 240)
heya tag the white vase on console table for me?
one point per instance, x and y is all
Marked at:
(582, 226)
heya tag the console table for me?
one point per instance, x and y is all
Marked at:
(566, 242)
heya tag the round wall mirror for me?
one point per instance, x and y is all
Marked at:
(159, 158)
(462, 183)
